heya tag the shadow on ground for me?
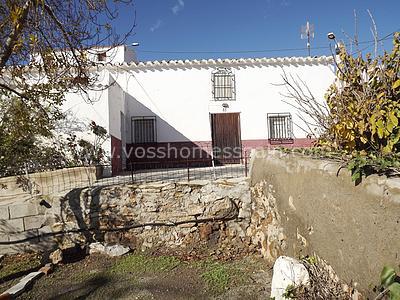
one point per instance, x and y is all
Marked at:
(138, 276)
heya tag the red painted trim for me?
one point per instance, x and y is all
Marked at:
(197, 150)
(116, 154)
(169, 151)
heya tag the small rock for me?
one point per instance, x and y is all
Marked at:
(56, 256)
(112, 237)
(113, 250)
(5, 296)
(47, 269)
(287, 271)
(116, 250)
(205, 230)
(96, 248)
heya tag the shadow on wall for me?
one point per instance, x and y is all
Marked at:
(87, 222)
(168, 154)
(137, 109)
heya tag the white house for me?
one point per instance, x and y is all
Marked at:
(157, 110)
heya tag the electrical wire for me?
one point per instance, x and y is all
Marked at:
(259, 51)
(229, 52)
(146, 93)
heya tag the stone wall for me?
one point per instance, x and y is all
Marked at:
(164, 215)
(222, 217)
(354, 228)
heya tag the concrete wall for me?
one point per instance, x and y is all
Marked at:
(21, 214)
(354, 228)
(24, 187)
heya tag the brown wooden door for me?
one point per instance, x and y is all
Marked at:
(226, 141)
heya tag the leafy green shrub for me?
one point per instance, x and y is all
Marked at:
(364, 103)
(390, 283)
(364, 112)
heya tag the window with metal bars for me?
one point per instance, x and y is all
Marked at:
(280, 127)
(144, 130)
(223, 81)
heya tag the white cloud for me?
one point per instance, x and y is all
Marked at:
(178, 7)
(156, 25)
(285, 3)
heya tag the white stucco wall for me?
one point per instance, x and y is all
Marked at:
(117, 54)
(92, 106)
(113, 54)
(181, 97)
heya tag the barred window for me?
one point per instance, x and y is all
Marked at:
(223, 85)
(280, 127)
(144, 130)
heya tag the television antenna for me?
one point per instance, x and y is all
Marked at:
(307, 32)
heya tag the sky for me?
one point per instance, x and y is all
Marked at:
(197, 29)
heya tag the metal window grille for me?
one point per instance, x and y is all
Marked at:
(223, 85)
(280, 127)
(144, 130)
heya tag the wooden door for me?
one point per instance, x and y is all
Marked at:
(226, 141)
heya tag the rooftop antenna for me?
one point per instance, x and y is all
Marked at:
(307, 32)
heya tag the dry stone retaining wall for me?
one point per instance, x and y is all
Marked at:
(195, 217)
(172, 215)
(225, 217)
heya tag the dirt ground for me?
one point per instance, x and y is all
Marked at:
(139, 276)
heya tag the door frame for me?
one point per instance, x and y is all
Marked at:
(239, 136)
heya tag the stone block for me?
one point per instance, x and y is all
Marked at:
(4, 213)
(110, 250)
(34, 222)
(287, 271)
(46, 269)
(168, 187)
(60, 226)
(12, 226)
(3, 237)
(195, 210)
(10, 249)
(45, 229)
(32, 235)
(23, 210)
(199, 183)
(47, 241)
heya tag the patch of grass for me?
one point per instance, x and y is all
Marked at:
(19, 264)
(137, 263)
(217, 276)
(220, 276)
